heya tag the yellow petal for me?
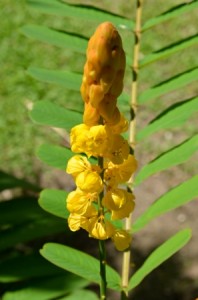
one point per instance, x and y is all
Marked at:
(74, 222)
(78, 137)
(114, 199)
(121, 239)
(77, 164)
(89, 181)
(125, 210)
(100, 229)
(79, 201)
(99, 140)
(127, 168)
(119, 150)
(116, 174)
(89, 215)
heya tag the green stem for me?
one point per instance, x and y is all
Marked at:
(102, 250)
(132, 135)
(103, 281)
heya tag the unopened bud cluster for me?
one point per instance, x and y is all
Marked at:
(98, 199)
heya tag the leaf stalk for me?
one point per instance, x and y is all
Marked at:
(132, 134)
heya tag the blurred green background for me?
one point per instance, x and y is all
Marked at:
(20, 137)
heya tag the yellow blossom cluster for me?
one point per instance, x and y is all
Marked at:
(99, 199)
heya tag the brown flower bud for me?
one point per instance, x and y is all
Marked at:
(103, 74)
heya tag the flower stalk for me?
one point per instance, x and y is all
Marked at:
(101, 243)
(103, 281)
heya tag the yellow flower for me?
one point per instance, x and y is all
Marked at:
(93, 141)
(78, 138)
(79, 202)
(99, 140)
(115, 199)
(116, 174)
(125, 209)
(119, 149)
(100, 228)
(121, 239)
(76, 221)
(77, 164)
(89, 181)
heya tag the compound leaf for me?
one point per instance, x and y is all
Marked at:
(158, 256)
(172, 157)
(174, 198)
(79, 263)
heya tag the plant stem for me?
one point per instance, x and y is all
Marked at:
(103, 282)
(102, 250)
(132, 134)
(135, 71)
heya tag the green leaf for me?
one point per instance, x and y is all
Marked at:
(84, 12)
(8, 181)
(31, 230)
(169, 85)
(53, 37)
(68, 80)
(158, 256)
(54, 202)
(19, 210)
(23, 267)
(48, 288)
(173, 12)
(172, 157)
(169, 50)
(174, 116)
(47, 113)
(174, 198)
(54, 156)
(79, 263)
(81, 294)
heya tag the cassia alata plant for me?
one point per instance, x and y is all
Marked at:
(103, 161)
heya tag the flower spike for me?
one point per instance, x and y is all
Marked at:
(98, 199)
